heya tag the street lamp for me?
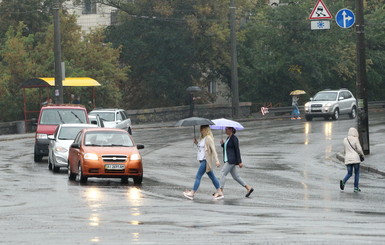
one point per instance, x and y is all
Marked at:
(192, 90)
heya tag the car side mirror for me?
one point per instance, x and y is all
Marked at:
(139, 146)
(51, 137)
(311, 99)
(341, 98)
(75, 145)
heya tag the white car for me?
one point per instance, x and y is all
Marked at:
(60, 143)
(114, 118)
(331, 104)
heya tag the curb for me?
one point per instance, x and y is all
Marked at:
(341, 158)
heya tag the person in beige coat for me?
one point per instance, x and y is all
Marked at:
(353, 151)
(207, 156)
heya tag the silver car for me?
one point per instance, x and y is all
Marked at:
(331, 104)
(60, 143)
(114, 118)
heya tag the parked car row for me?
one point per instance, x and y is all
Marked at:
(66, 134)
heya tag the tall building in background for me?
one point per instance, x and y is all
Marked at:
(91, 14)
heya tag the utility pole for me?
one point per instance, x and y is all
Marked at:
(57, 53)
(361, 80)
(234, 63)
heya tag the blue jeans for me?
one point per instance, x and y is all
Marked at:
(295, 112)
(201, 172)
(350, 167)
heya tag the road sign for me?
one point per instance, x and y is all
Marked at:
(320, 12)
(320, 24)
(345, 18)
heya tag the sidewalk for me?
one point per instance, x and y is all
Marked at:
(374, 162)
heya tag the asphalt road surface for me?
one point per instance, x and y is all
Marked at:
(290, 164)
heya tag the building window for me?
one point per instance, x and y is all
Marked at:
(89, 7)
(213, 87)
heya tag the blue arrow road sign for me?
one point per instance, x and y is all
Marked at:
(345, 18)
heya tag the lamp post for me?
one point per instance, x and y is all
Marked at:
(57, 54)
(234, 63)
(361, 80)
(192, 90)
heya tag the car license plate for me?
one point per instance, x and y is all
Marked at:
(114, 166)
(316, 109)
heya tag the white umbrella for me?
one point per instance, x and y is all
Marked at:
(223, 123)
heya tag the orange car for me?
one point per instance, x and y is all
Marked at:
(105, 153)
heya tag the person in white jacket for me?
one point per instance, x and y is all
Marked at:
(353, 151)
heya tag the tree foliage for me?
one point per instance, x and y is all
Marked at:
(24, 56)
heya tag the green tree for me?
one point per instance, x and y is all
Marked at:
(280, 53)
(171, 45)
(35, 14)
(24, 56)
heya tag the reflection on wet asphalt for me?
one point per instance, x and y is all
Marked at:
(290, 164)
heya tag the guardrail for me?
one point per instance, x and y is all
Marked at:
(286, 110)
(18, 127)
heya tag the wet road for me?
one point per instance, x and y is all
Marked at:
(290, 164)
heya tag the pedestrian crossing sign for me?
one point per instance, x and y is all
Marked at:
(320, 12)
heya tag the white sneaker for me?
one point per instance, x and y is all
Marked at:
(218, 196)
(189, 194)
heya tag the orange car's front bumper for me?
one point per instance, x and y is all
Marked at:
(96, 168)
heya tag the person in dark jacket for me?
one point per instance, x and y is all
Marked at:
(232, 158)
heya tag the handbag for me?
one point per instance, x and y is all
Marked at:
(362, 158)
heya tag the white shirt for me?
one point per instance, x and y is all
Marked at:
(201, 155)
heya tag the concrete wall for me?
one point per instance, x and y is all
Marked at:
(167, 114)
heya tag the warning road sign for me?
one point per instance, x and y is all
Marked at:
(320, 12)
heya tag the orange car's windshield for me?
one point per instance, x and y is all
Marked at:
(108, 138)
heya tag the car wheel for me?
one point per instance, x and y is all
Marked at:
(49, 164)
(309, 118)
(37, 157)
(336, 114)
(129, 130)
(71, 176)
(80, 177)
(124, 180)
(138, 179)
(55, 169)
(353, 113)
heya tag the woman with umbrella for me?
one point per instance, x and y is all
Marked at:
(295, 113)
(206, 156)
(232, 158)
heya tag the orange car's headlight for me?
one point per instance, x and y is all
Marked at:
(135, 157)
(90, 156)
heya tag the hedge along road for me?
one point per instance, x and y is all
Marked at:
(290, 164)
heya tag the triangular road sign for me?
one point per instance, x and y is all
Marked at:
(320, 12)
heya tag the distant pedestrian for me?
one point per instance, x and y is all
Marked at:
(295, 114)
(206, 155)
(76, 101)
(232, 158)
(47, 101)
(353, 154)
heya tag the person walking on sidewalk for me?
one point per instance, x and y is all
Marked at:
(206, 155)
(232, 158)
(353, 154)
